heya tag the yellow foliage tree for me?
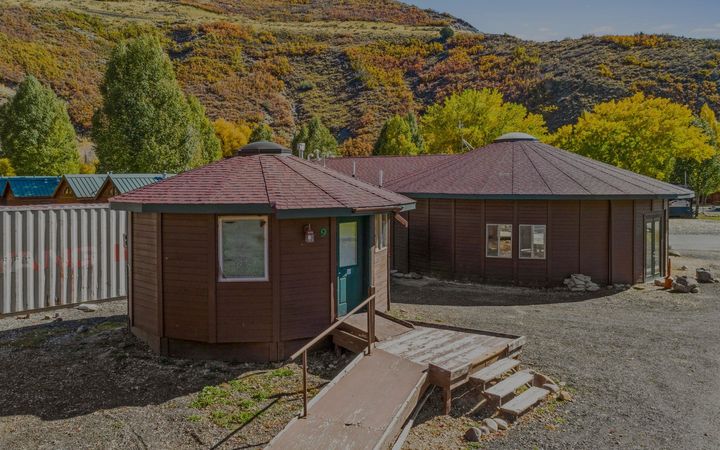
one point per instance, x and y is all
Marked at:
(6, 169)
(477, 117)
(232, 135)
(644, 134)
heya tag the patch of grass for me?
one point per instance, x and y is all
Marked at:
(194, 418)
(35, 338)
(707, 217)
(107, 326)
(209, 396)
(282, 372)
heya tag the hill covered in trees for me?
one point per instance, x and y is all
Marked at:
(352, 64)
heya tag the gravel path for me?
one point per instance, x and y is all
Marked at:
(644, 364)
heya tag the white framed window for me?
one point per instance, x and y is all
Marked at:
(381, 231)
(498, 240)
(532, 242)
(243, 248)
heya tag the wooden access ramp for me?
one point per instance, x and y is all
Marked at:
(364, 407)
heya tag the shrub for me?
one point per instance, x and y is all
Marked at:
(605, 71)
(446, 33)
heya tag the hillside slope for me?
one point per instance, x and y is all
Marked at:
(352, 63)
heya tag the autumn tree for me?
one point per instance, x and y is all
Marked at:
(643, 134)
(395, 138)
(36, 135)
(702, 176)
(261, 132)
(317, 138)
(475, 118)
(417, 138)
(232, 135)
(146, 124)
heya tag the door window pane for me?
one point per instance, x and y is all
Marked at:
(532, 242)
(499, 241)
(648, 249)
(244, 248)
(347, 244)
(656, 247)
(381, 231)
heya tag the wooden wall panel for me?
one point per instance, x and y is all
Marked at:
(563, 239)
(642, 207)
(144, 266)
(594, 245)
(400, 245)
(244, 311)
(380, 278)
(469, 238)
(304, 280)
(440, 236)
(500, 269)
(531, 271)
(418, 251)
(621, 234)
(188, 258)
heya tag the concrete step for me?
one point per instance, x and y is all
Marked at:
(494, 371)
(524, 401)
(509, 385)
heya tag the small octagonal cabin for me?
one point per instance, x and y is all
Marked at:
(250, 257)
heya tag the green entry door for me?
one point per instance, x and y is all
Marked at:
(349, 264)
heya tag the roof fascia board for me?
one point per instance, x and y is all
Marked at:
(542, 196)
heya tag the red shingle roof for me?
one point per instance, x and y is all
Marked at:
(262, 183)
(367, 168)
(527, 168)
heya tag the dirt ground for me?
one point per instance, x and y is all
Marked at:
(643, 366)
(101, 388)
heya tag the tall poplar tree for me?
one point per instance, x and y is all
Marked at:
(36, 135)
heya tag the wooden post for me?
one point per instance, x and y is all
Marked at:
(305, 402)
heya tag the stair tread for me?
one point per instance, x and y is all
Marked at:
(524, 401)
(510, 384)
(495, 370)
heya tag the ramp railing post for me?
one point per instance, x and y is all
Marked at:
(371, 320)
(305, 402)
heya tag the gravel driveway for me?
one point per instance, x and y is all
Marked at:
(694, 237)
(644, 364)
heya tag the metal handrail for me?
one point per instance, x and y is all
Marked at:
(370, 302)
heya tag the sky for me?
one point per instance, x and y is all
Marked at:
(549, 20)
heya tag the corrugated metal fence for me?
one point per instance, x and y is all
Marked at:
(61, 254)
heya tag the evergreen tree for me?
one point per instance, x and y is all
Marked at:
(317, 138)
(417, 138)
(395, 138)
(36, 134)
(262, 132)
(145, 123)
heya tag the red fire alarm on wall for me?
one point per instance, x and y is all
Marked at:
(309, 234)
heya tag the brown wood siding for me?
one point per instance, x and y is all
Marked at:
(531, 271)
(188, 258)
(594, 247)
(642, 207)
(400, 245)
(418, 251)
(500, 269)
(380, 278)
(440, 236)
(563, 240)
(244, 311)
(144, 266)
(469, 239)
(621, 234)
(304, 280)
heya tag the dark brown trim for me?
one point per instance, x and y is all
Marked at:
(452, 236)
(278, 348)
(515, 239)
(129, 271)
(611, 242)
(333, 268)
(160, 265)
(213, 262)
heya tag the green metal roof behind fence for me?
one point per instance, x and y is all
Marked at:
(130, 181)
(85, 186)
